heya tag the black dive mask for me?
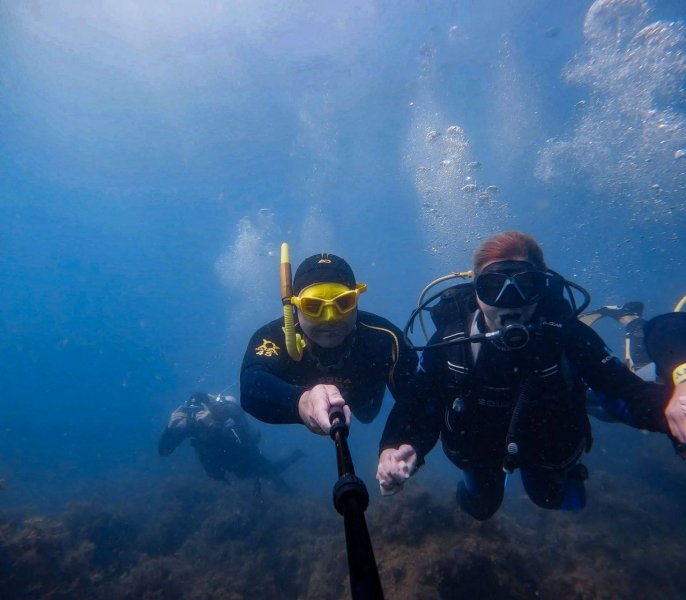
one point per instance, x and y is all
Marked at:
(510, 284)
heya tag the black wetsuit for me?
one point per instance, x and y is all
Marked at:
(665, 341)
(228, 446)
(372, 357)
(470, 404)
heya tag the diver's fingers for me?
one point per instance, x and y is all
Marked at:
(313, 408)
(178, 419)
(406, 457)
(346, 412)
(337, 402)
(402, 471)
(321, 411)
(677, 426)
(335, 396)
(386, 464)
(389, 488)
(388, 483)
(675, 413)
(391, 469)
(404, 452)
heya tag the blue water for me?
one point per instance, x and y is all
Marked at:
(153, 156)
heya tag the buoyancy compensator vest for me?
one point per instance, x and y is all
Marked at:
(542, 377)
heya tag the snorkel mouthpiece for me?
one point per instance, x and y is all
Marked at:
(295, 345)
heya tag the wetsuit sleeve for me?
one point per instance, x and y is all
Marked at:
(175, 432)
(417, 419)
(269, 398)
(402, 375)
(635, 402)
(265, 394)
(379, 358)
(665, 339)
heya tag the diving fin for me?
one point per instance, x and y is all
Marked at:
(634, 308)
(590, 318)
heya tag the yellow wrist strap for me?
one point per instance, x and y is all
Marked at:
(679, 374)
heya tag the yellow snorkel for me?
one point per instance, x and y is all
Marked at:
(294, 341)
(681, 305)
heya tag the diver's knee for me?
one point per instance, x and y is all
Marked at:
(479, 506)
(562, 492)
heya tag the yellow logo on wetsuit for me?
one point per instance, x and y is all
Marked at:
(267, 348)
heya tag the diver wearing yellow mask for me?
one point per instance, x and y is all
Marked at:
(334, 357)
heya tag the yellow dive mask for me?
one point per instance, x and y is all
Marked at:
(328, 301)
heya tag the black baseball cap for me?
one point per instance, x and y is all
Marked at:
(323, 268)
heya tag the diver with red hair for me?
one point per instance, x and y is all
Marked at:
(503, 381)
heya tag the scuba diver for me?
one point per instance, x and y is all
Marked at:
(332, 357)
(503, 382)
(630, 316)
(222, 438)
(643, 340)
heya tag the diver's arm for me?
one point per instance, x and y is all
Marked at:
(265, 394)
(403, 368)
(605, 408)
(417, 421)
(269, 398)
(665, 339)
(635, 402)
(175, 432)
(388, 362)
(411, 431)
(676, 417)
(414, 423)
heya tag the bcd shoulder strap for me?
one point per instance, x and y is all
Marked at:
(451, 316)
(453, 307)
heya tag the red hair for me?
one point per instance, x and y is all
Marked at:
(508, 245)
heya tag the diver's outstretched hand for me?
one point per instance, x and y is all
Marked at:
(315, 406)
(178, 419)
(675, 412)
(396, 466)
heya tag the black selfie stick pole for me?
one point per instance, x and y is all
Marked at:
(351, 499)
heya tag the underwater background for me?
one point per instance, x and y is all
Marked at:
(154, 155)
